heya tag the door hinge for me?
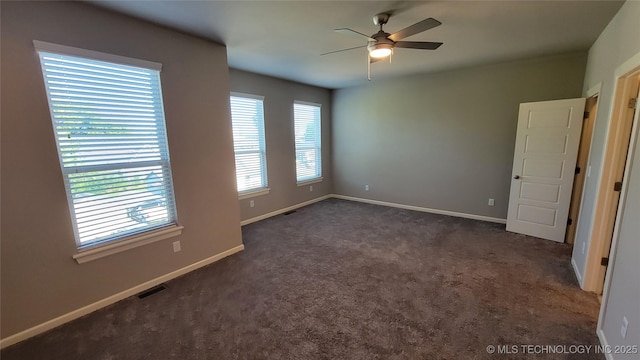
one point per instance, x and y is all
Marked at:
(633, 103)
(569, 221)
(604, 261)
(617, 186)
(577, 169)
(586, 115)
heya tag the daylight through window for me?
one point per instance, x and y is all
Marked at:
(109, 126)
(307, 141)
(247, 117)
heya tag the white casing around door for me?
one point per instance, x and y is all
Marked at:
(544, 161)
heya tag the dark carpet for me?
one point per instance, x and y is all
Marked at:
(345, 280)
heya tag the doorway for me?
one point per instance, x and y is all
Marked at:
(582, 162)
(623, 116)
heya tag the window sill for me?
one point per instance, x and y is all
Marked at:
(253, 193)
(310, 181)
(134, 241)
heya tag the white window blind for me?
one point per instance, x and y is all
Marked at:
(247, 117)
(109, 126)
(307, 140)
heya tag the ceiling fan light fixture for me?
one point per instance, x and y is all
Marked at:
(381, 44)
(380, 50)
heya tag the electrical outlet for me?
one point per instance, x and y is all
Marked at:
(176, 246)
(252, 203)
(492, 202)
(366, 188)
(589, 171)
(310, 187)
(625, 325)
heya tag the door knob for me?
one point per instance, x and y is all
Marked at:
(517, 177)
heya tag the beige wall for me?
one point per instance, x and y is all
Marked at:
(278, 120)
(618, 43)
(442, 141)
(415, 140)
(40, 280)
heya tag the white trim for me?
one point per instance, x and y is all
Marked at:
(423, 209)
(253, 193)
(375, 202)
(605, 344)
(576, 271)
(117, 246)
(627, 66)
(310, 181)
(307, 103)
(48, 325)
(594, 91)
(248, 96)
(95, 55)
(280, 211)
(592, 260)
(620, 212)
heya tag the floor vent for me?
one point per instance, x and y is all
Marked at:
(153, 290)
(288, 212)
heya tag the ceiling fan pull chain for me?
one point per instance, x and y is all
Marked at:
(368, 66)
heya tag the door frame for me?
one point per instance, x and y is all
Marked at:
(579, 182)
(633, 144)
(603, 230)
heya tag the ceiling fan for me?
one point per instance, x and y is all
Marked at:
(381, 44)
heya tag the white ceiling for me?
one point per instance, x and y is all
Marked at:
(285, 38)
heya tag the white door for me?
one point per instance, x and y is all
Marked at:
(544, 163)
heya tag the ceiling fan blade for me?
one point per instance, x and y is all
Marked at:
(347, 31)
(353, 48)
(418, 27)
(425, 45)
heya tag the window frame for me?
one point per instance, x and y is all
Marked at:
(91, 250)
(317, 144)
(262, 151)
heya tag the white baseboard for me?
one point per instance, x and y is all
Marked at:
(576, 271)
(48, 325)
(280, 211)
(423, 209)
(605, 344)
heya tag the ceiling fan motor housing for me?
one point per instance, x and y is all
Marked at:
(381, 19)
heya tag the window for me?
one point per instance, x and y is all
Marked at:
(109, 127)
(306, 119)
(247, 118)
